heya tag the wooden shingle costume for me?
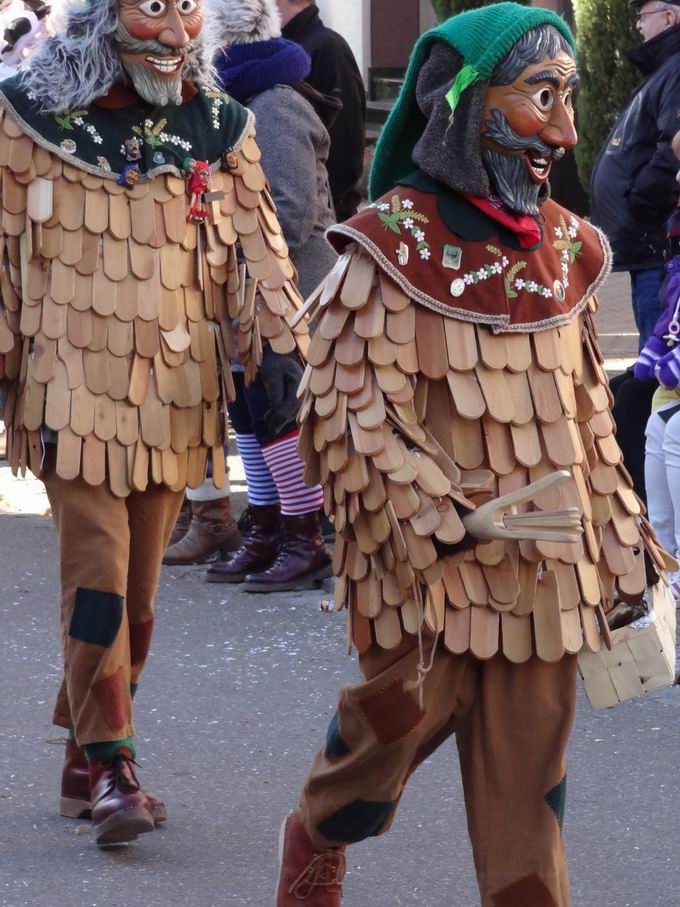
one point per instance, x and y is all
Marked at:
(118, 305)
(140, 250)
(456, 361)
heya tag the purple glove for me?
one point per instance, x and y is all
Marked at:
(650, 356)
(668, 369)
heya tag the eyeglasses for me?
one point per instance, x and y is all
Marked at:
(652, 12)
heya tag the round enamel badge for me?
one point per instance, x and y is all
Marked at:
(458, 287)
(559, 291)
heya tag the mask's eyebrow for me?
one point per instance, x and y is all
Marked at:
(573, 80)
(545, 75)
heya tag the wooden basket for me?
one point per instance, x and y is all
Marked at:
(642, 657)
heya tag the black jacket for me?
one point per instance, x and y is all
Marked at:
(633, 188)
(335, 72)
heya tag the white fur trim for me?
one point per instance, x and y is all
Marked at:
(244, 21)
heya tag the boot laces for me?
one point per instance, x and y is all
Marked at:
(122, 772)
(325, 870)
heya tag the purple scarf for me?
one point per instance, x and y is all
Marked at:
(246, 70)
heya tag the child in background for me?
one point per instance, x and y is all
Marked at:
(660, 358)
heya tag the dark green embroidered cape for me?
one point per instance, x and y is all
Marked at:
(205, 126)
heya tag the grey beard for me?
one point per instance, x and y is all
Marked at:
(153, 89)
(510, 176)
(508, 172)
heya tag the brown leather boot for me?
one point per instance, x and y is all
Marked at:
(120, 810)
(303, 560)
(74, 802)
(213, 532)
(75, 788)
(183, 522)
(306, 875)
(258, 551)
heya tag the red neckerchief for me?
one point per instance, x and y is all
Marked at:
(524, 225)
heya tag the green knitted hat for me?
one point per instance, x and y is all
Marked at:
(483, 37)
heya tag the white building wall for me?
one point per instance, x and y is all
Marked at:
(352, 19)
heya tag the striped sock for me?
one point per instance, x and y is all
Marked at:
(286, 467)
(261, 487)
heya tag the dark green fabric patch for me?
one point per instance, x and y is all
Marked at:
(557, 800)
(97, 617)
(356, 821)
(335, 745)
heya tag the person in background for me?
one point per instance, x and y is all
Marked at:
(660, 358)
(334, 72)
(633, 192)
(284, 550)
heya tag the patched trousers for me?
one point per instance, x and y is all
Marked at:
(110, 553)
(511, 723)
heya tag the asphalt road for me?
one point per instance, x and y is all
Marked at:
(234, 701)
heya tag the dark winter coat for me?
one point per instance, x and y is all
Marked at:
(633, 187)
(335, 72)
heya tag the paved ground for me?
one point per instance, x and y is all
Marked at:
(234, 702)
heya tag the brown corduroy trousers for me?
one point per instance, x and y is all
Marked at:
(511, 723)
(110, 558)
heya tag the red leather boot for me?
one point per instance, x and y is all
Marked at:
(308, 876)
(74, 802)
(75, 788)
(120, 809)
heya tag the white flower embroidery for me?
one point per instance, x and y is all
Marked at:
(520, 283)
(419, 235)
(546, 292)
(496, 268)
(424, 254)
(505, 261)
(78, 121)
(383, 207)
(572, 231)
(532, 286)
(558, 232)
(407, 203)
(467, 279)
(148, 124)
(408, 223)
(482, 274)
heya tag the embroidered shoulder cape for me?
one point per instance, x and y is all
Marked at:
(207, 125)
(452, 258)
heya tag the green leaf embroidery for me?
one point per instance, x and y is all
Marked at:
(574, 250)
(509, 292)
(390, 222)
